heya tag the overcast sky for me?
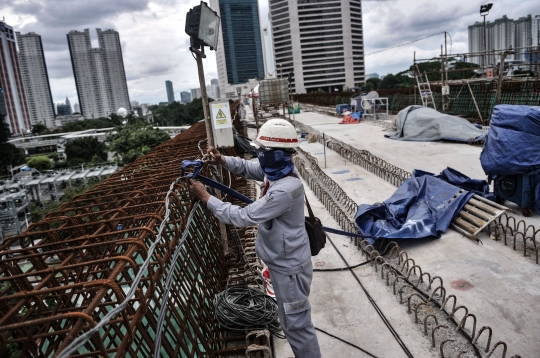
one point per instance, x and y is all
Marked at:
(155, 46)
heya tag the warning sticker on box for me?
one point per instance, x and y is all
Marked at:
(221, 118)
(221, 114)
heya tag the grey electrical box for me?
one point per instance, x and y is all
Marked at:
(221, 120)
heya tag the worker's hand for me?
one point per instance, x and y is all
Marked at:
(215, 157)
(198, 191)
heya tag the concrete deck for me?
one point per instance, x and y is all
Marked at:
(502, 288)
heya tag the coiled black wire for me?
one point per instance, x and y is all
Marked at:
(244, 308)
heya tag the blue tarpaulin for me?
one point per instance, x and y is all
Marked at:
(513, 144)
(423, 206)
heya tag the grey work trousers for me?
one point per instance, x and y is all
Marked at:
(292, 295)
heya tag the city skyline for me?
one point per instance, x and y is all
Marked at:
(151, 59)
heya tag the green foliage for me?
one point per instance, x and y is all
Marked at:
(40, 162)
(372, 84)
(399, 80)
(83, 150)
(405, 78)
(11, 155)
(133, 141)
(54, 156)
(39, 129)
(176, 114)
(97, 123)
(60, 164)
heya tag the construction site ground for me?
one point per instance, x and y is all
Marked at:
(498, 285)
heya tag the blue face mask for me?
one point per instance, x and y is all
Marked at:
(276, 163)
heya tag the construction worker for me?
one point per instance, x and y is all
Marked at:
(282, 242)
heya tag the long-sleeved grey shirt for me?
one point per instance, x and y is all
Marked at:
(282, 242)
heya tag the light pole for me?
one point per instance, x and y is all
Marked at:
(484, 11)
(239, 92)
(202, 25)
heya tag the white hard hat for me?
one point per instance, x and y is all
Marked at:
(277, 133)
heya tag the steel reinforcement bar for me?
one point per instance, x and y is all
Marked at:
(67, 272)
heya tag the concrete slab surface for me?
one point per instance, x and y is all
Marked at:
(340, 307)
(495, 283)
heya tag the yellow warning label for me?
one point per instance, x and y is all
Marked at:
(221, 115)
(221, 118)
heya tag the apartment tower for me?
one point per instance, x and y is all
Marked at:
(11, 83)
(170, 91)
(321, 42)
(36, 79)
(522, 34)
(185, 97)
(239, 54)
(99, 73)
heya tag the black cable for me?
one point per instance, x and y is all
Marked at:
(372, 301)
(406, 43)
(341, 268)
(344, 341)
(349, 267)
(244, 308)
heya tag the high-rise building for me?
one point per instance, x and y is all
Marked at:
(64, 109)
(522, 34)
(11, 83)
(212, 91)
(36, 79)
(76, 108)
(215, 82)
(170, 91)
(3, 109)
(195, 93)
(99, 73)
(185, 97)
(239, 51)
(321, 43)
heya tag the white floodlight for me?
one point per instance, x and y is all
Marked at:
(202, 23)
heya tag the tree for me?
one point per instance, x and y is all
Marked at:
(176, 114)
(40, 162)
(399, 80)
(82, 150)
(465, 73)
(133, 141)
(372, 84)
(39, 128)
(11, 155)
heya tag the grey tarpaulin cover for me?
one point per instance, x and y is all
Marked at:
(423, 124)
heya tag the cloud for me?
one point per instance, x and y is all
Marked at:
(390, 23)
(155, 47)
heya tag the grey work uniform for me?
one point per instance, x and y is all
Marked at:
(282, 243)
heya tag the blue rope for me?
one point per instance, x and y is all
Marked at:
(197, 164)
